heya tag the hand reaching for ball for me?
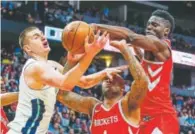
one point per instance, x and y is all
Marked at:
(74, 58)
(98, 44)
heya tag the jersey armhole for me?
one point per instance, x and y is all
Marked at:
(92, 114)
(123, 116)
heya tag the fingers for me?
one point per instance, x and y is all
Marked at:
(97, 35)
(114, 43)
(103, 39)
(109, 75)
(122, 68)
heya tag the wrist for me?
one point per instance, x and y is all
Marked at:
(71, 63)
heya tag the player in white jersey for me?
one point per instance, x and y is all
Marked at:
(39, 80)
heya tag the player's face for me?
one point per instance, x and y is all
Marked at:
(113, 88)
(156, 27)
(35, 42)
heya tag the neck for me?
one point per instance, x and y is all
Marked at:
(40, 57)
(108, 103)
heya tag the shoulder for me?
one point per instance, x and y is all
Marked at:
(36, 67)
(161, 44)
(56, 64)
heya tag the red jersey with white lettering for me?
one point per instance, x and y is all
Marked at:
(158, 99)
(111, 121)
(4, 122)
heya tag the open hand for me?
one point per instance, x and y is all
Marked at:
(119, 44)
(98, 44)
(114, 70)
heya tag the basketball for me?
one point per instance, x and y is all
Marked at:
(74, 34)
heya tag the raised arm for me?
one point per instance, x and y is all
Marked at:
(8, 98)
(149, 42)
(139, 85)
(48, 76)
(93, 79)
(138, 52)
(71, 99)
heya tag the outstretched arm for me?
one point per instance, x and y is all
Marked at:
(73, 100)
(77, 102)
(139, 86)
(148, 42)
(42, 72)
(8, 98)
(93, 79)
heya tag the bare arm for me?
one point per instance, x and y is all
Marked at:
(73, 100)
(138, 53)
(93, 79)
(8, 98)
(48, 76)
(77, 102)
(139, 86)
(90, 80)
(149, 42)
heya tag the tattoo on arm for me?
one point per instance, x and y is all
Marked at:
(139, 86)
(135, 68)
(78, 102)
(74, 100)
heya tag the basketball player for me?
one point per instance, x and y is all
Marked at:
(6, 99)
(157, 110)
(39, 80)
(116, 114)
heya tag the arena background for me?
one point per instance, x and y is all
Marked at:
(51, 17)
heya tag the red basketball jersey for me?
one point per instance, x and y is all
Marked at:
(158, 99)
(111, 121)
(4, 121)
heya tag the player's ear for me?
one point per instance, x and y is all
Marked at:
(26, 48)
(166, 31)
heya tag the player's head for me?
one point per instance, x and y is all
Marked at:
(161, 24)
(113, 88)
(33, 41)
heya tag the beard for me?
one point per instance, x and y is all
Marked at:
(111, 94)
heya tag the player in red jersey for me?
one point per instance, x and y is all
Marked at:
(157, 113)
(116, 114)
(6, 99)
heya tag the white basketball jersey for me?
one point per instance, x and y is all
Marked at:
(35, 108)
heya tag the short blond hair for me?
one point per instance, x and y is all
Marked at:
(23, 35)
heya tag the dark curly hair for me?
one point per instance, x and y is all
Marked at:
(167, 16)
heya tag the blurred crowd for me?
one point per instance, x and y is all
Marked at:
(185, 107)
(67, 121)
(60, 13)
